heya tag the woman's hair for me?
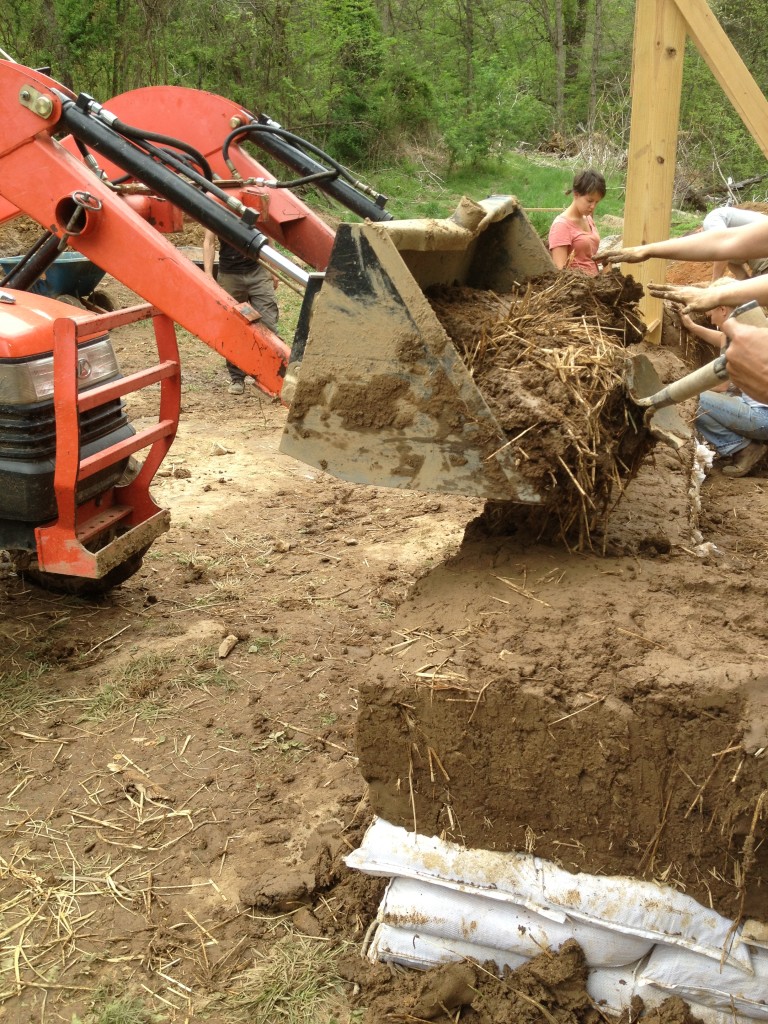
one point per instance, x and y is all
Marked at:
(586, 182)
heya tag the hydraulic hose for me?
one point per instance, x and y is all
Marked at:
(141, 136)
(98, 114)
(289, 149)
(128, 177)
(97, 135)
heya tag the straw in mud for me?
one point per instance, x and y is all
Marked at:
(549, 360)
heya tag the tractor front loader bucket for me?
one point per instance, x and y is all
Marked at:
(383, 396)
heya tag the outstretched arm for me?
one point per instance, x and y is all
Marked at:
(699, 300)
(734, 245)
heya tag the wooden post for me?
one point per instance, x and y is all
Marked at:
(657, 72)
(657, 78)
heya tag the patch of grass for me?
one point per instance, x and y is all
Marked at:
(125, 1010)
(145, 669)
(294, 982)
(109, 701)
(265, 645)
(21, 692)
(135, 687)
(281, 742)
(216, 677)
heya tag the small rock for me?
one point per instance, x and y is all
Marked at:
(227, 645)
(182, 473)
(219, 449)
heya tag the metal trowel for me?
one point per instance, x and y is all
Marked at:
(646, 390)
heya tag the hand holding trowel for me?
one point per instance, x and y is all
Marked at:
(647, 391)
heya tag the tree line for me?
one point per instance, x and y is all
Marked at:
(370, 79)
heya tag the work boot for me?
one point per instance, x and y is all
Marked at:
(237, 387)
(745, 460)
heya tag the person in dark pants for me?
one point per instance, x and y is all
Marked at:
(246, 280)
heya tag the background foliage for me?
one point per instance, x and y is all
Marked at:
(452, 82)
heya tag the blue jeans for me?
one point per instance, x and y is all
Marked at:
(728, 423)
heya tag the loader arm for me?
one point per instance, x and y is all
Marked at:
(204, 120)
(41, 179)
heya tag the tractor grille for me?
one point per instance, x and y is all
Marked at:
(28, 432)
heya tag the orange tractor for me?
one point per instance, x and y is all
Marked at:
(70, 514)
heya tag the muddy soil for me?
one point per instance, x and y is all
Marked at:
(613, 705)
(170, 814)
(550, 360)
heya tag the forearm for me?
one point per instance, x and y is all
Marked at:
(698, 248)
(735, 245)
(742, 291)
(707, 334)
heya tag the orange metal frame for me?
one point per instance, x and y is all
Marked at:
(61, 546)
(39, 177)
(204, 120)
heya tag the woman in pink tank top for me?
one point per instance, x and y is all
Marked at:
(573, 237)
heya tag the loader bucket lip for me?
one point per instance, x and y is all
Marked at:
(642, 380)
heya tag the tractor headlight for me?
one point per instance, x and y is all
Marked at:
(31, 380)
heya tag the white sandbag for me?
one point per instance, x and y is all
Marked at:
(611, 988)
(696, 978)
(422, 950)
(450, 914)
(647, 910)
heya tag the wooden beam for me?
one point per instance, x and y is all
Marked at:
(727, 67)
(657, 78)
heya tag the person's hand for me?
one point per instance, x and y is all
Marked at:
(629, 254)
(747, 358)
(691, 299)
(682, 316)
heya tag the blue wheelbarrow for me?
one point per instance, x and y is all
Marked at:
(71, 273)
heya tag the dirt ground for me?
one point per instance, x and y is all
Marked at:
(171, 817)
